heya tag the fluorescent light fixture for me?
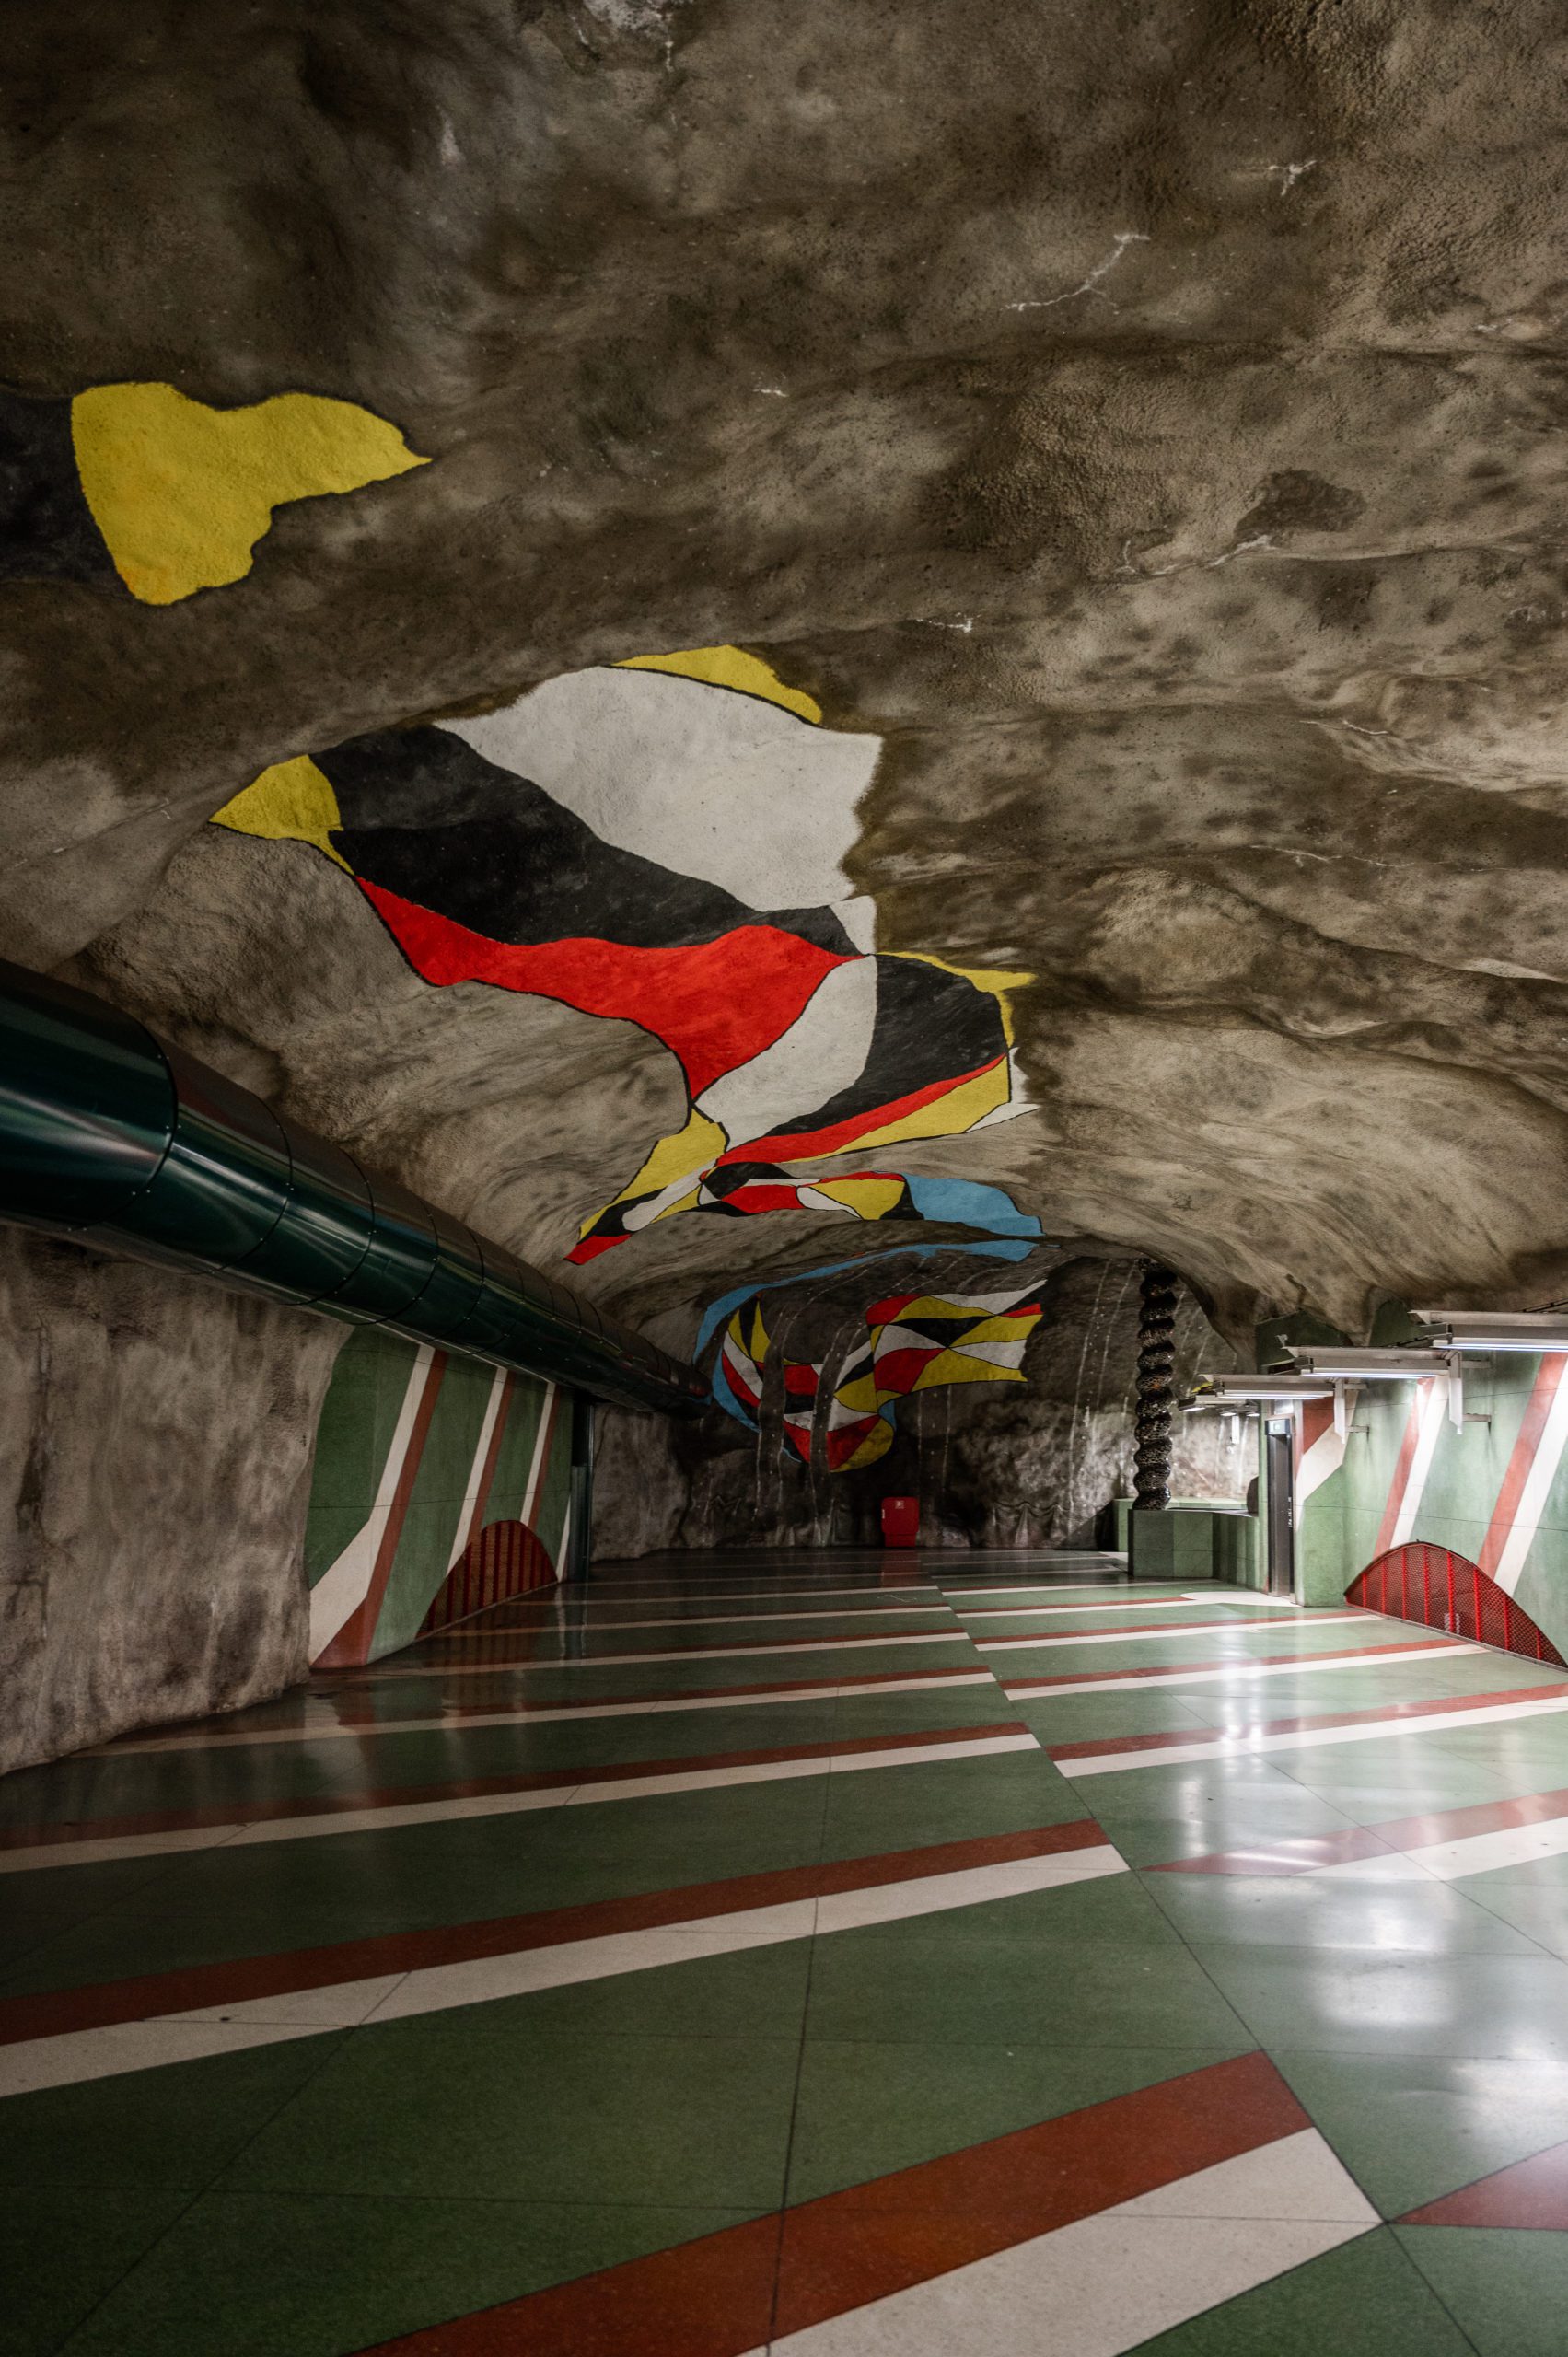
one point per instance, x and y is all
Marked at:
(1349, 1365)
(1222, 1390)
(1497, 1330)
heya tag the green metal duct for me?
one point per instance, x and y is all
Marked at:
(112, 1139)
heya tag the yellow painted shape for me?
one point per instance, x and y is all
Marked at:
(1000, 1329)
(951, 1367)
(292, 802)
(730, 666)
(861, 1397)
(946, 1116)
(183, 492)
(877, 1442)
(867, 1198)
(685, 1154)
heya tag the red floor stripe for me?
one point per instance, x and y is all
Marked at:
(1532, 2193)
(709, 2298)
(363, 1796)
(673, 1693)
(1391, 1713)
(50, 2012)
(1021, 1686)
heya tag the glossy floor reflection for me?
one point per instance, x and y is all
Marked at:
(859, 1955)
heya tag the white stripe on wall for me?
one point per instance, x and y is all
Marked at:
(1433, 1412)
(1537, 1489)
(344, 1584)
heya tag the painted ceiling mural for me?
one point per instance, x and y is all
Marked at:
(137, 485)
(662, 841)
(914, 1341)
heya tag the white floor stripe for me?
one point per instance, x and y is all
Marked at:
(1243, 1747)
(1156, 1636)
(1035, 1689)
(769, 1646)
(1483, 1853)
(397, 1815)
(1113, 2281)
(76, 2055)
(939, 1681)
(1143, 1604)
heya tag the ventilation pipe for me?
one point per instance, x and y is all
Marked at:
(112, 1139)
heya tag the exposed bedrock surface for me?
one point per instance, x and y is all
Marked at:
(1133, 437)
(155, 1449)
(1147, 421)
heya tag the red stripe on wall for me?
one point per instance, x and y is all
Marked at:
(1537, 1410)
(351, 1644)
(1400, 1482)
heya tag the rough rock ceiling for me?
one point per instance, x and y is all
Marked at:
(1139, 430)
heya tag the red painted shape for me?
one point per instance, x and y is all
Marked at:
(804, 1145)
(1438, 1589)
(898, 1371)
(1392, 1715)
(715, 1003)
(353, 1643)
(1532, 2193)
(1317, 1418)
(1400, 1482)
(506, 1560)
(49, 2012)
(846, 2249)
(1549, 1377)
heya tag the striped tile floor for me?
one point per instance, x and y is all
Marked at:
(835, 1953)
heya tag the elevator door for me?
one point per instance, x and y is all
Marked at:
(1280, 1528)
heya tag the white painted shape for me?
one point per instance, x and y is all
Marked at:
(757, 1619)
(898, 1902)
(536, 1463)
(1537, 1486)
(1482, 1853)
(1057, 1611)
(470, 1514)
(344, 1584)
(1303, 1739)
(343, 2005)
(823, 1052)
(1432, 1409)
(1299, 2177)
(704, 779)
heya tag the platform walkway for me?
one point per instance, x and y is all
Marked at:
(841, 1954)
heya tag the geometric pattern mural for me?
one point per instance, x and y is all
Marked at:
(660, 842)
(915, 1342)
(418, 1455)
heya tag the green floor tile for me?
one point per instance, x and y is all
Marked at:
(933, 1985)
(1363, 2300)
(256, 2275)
(1346, 2002)
(420, 2111)
(868, 2108)
(62, 2253)
(1423, 1917)
(153, 2131)
(1509, 2291)
(1410, 2127)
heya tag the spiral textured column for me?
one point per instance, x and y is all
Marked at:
(1156, 1365)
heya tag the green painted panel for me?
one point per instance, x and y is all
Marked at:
(358, 1418)
(430, 1530)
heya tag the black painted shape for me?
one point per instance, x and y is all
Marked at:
(931, 1026)
(47, 531)
(431, 820)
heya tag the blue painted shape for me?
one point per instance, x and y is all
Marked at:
(969, 1202)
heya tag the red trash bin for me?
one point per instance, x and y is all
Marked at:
(901, 1522)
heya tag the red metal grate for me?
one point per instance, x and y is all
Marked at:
(1443, 1590)
(505, 1560)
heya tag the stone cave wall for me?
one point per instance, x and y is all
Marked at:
(154, 1454)
(1032, 1464)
